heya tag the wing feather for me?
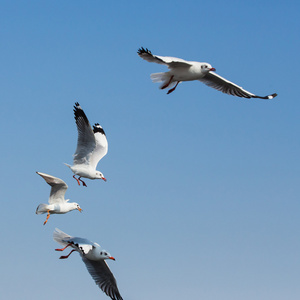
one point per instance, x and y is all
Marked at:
(103, 277)
(86, 142)
(221, 84)
(171, 62)
(101, 147)
(58, 188)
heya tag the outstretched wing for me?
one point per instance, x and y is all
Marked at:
(225, 86)
(86, 140)
(171, 62)
(58, 188)
(101, 145)
(103, 277)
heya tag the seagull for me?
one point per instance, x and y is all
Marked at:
(182, 70)
(91, 147)
(94, 258)
(57, 202)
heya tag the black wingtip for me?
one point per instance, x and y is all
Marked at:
(98, 128)
(79, 113)
(273, 96)
(142, 50)
(270, 96)
(266, 97)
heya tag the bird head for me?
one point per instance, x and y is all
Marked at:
(205, 67)
(99, 175)
(78, 207)
(105, 255)
(75, 205)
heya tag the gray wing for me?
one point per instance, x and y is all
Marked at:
(58, 188)
(171, 62)
(101, 147)
(86, 140)
(103, 277)
(225, 86)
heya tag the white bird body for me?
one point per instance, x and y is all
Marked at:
(84, 170)
(190, 71)
(94, 258)
(61, 208)
(91, 147)
(57, 202)
(182, 70)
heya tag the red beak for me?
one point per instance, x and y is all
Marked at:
(212, 69)
(104, 178)
(112, 258)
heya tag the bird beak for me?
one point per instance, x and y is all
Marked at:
(112, 258)
(80, 209)
(212, 69)
(104, 178)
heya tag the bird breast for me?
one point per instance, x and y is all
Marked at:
(187, 74)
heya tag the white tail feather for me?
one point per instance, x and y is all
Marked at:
(159, 77)
(162, 77)
(60, 237)
(42, 208)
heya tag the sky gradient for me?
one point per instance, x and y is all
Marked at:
(202, 192)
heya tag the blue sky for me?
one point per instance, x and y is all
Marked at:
(202, 197)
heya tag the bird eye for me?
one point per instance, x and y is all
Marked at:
(101, 253)
(105, 253)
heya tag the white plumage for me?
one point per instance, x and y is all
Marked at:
(94, 258)
(182, 70)
(57, 202)
(91, 147)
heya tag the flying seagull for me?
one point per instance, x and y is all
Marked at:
(94, 258)
(182, 70)
(57, 202)
(91, 147)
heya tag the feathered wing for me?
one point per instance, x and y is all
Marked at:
(225, 86)
(171, 62)
(86, 139)
(101, 147)
(58, 188)
(103, 277)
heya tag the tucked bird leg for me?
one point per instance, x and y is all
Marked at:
(64, 257)
(83, 183)
(76, 179)
(173, 89)
(62, 249)
(48, 216)
(167, 84)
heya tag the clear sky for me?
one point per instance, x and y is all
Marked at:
(202, 192)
